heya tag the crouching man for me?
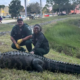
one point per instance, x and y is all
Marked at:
(41, 45)
(20, 36)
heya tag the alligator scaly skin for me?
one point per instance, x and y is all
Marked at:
(27, 61)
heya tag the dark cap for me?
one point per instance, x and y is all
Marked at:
(19, 19)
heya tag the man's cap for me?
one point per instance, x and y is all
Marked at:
(19, 19)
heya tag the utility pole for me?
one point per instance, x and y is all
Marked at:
(41, 8)
(25, 2)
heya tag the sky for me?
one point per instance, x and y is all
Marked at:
(6, 2)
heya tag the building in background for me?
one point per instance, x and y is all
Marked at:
(5, 11)
(76, 10)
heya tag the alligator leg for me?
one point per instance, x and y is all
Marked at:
(38, 65)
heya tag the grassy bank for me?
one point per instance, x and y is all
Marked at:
(62, 36)
(65, 37)
(8, 27)
(42, 20)
(7, 74)
(5, 27)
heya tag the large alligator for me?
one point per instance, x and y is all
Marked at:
(27, 61)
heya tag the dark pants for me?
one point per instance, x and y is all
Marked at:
(27, 43)
(40, 51)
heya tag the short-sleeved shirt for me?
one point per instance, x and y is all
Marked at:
(21, 32)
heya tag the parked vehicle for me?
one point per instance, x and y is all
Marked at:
(62, 14)
(22, 16)
(3, 16)
(37, 16)
(8, 16)
(31, 16)
(46, 15)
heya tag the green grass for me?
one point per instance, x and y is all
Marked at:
(5, 27)
(64, 37)
(8, 27)
(58, 34)
(41, 20)
(24, 75)
(7, 74)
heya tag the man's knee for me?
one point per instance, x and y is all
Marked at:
(39, 52)
(28, 42)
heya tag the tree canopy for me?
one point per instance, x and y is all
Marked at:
(63, 5)
(15, 8)
(33, 8)
(45, 9)
(2, 6)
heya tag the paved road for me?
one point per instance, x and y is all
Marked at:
(8, 21)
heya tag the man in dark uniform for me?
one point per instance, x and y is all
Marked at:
(41, 45)
(20, 35)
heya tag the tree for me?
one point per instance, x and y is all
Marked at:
(33, 8)
(75, 1)
(58, 4)
(45, 10)
(22, 9)
(63, 5)
(15, 8)
(68, 7)
(55, 8)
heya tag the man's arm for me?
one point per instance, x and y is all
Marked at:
(28, 34)
(23, 39)
(26, 38)
(13, 40)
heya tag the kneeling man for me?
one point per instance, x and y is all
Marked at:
(20, 36)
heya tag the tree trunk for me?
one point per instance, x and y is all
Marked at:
(59, 10)
(67, 11)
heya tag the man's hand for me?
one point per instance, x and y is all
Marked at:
(17, 46)
(30, 36)
(26, 38)
(32, 52)
(19, 41)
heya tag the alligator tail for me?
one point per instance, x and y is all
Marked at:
(64, 67)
